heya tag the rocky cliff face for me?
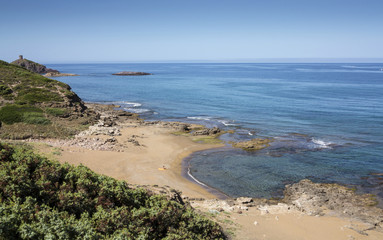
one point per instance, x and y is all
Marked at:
(33, 66)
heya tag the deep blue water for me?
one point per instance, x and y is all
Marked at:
(327, 119)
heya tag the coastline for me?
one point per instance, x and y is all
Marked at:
(139, 152)
(149, 154)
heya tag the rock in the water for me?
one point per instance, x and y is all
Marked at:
(207, 131)
(125, 73)
(58, 74)
(253, 144)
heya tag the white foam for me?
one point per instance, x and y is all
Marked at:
(321, 143)
(227, 123)
(195, 178)
(137, 110)
(200, 118)
(127, 104)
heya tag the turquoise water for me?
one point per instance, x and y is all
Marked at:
(327, 119)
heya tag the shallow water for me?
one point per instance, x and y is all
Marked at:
(326, 119)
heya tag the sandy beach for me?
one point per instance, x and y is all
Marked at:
(151, 153)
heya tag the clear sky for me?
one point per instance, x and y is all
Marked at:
(52, 31)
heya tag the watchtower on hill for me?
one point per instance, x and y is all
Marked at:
(21, 57)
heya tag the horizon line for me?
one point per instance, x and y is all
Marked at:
(242, 60)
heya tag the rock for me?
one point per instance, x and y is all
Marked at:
(58, 74)
(134, 141)
(207, 131)
(313, 198)
(111, 140)
(125, 73)
(253, 144)
(184, 128)
(255, 223)
(244, 200)
(123, 113)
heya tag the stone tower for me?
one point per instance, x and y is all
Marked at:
(21, 57)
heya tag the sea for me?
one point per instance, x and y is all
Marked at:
(326, 119)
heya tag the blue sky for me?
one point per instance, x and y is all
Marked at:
(177, 30)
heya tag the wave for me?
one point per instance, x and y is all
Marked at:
(375, 70)
(137, 110)
(192, 177)
(363, 67)
(322, 144)
(227, 123)
(200, 118)
(128, 104)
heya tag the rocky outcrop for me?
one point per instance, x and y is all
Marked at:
(58, 74)
(316, 198)
(125, 73)
(253, 144)
(207, 132)
(33, 66)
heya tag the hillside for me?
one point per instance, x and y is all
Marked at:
(34, 106)
(42, 199)
(33, 66)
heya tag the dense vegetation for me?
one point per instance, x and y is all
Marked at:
(31, 104)
(42, 199)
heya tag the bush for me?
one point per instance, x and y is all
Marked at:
(42, 199)
(57, 112)
(38, 95)
(22, 113)
(4, 90)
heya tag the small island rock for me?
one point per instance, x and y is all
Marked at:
(125, 73)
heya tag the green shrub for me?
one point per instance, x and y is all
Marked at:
(10, 114)
(4, 90)
(57, 112)
(38, 95)
(42, 199)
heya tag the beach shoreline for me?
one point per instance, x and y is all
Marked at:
(152, 154)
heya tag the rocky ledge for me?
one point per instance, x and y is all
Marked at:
(317, 198)
(125, 73)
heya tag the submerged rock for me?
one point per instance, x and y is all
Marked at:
(125, 73)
